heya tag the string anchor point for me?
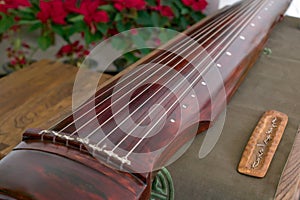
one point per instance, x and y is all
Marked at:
(123, 160)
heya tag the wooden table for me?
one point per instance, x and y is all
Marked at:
(37, 96)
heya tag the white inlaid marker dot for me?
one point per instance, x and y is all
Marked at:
(228, 53)
(172, 120)
(252, 24)
(193, 96)
(184, 106)
(203, 83)
(242, 37)
(219, 65)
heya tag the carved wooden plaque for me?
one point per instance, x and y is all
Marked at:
(262, 144)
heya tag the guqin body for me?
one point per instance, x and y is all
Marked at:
(55, 164)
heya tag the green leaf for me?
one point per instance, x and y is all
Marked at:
(120, 26)
(76, 18)
(197, 16)
(35, 26)
(144, 18)
(89, 37)
(28, 22)
(26, 15)
(80, 26)
(58, 29)
(166, 2)
(155, 17)
(130, 57)
(163, 21)
(145, 51)
(68, 32)
(118, 17)
(35, 4)
(102, 27)
(6, 22)
(64, 32)
(27, 10)
(44, 42)
(184, 11)
(179, 5)
(183, 23)
(108, 7)
(128, 26)
(175, 10)
(151, 2)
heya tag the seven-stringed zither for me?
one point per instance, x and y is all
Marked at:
(110, 146)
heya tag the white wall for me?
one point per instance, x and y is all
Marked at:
(294, 9)
(225, 2)
(213, 5)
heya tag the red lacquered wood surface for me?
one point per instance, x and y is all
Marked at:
(45, 175)
(59, 170)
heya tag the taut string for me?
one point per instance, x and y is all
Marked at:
(145, 69)
(194, 82)
(111, 132)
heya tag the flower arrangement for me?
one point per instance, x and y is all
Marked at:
(93, 20)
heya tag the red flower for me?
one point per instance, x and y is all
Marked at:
(122, 4)
(13, 4)
(18, 61)
(22, 61)
(112, 31)
(197, 5)
(13, 62)
(52, 9)
(83, 53)
(89, 9)
(200, 5)
(188, 2)
(65, 50)
(166, 11)
(71, 49)
(15, 28)
(25, 45)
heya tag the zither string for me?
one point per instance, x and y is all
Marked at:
(145, 66)
(196, 80)
(140, 93)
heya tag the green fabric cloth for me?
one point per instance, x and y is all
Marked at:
(273, 83)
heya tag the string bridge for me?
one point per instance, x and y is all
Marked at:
(123, 160)
(84, 142)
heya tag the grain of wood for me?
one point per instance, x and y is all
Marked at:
(289, 184)
(36, 97)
